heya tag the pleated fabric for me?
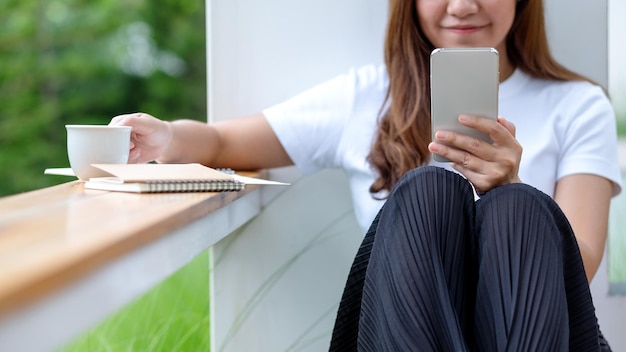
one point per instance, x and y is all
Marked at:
(445, 273)
(347, 320)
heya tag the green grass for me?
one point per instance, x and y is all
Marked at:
(173, 316)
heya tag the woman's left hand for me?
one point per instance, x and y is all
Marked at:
(485, 165)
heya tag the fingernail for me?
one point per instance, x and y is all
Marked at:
(441, 135)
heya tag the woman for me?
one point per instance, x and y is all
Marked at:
(374, 122)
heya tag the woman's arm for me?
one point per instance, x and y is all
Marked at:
(243, 143)
(585, 200)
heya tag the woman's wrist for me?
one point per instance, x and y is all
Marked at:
(168, 154)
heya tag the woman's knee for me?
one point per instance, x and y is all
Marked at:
(515, 197)
(519, 210)
(430, 203)
(432, 181)
(515, 189)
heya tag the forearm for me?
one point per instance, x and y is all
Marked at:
(191, 141)
(585, 200)
(591, 259)
(244, 143)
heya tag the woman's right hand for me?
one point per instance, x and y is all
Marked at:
(485, 165)
(150, 137)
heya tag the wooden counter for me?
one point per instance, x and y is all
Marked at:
(54, 241)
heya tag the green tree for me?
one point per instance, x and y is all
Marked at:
(85, 61)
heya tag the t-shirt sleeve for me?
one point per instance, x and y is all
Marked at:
(310, 125)
(590, 138)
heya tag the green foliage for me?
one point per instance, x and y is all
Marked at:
(85, 61)
(621, 124)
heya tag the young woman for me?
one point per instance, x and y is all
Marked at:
(445, 272)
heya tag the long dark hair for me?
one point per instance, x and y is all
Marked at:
(403, 134)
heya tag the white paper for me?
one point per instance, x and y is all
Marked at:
(61, 171)
(257, 181)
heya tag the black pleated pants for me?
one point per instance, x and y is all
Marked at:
(438, 271)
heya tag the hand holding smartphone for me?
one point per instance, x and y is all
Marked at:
(463, 81)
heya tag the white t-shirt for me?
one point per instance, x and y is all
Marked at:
(565, 128)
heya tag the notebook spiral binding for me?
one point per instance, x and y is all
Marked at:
(195, 186)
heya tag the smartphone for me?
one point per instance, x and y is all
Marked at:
(463, 81)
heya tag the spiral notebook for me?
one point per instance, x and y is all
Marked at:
(151, 178)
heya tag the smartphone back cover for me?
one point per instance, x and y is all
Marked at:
(463, 81)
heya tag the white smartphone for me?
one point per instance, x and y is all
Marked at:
(462, 81)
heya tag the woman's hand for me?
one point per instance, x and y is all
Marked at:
(149, 139)
(485, 165)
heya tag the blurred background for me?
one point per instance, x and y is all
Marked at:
(85, 61)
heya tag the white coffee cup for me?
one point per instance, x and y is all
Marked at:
(96, 144)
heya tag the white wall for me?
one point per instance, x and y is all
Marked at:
(263, 52)
(578, 34)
